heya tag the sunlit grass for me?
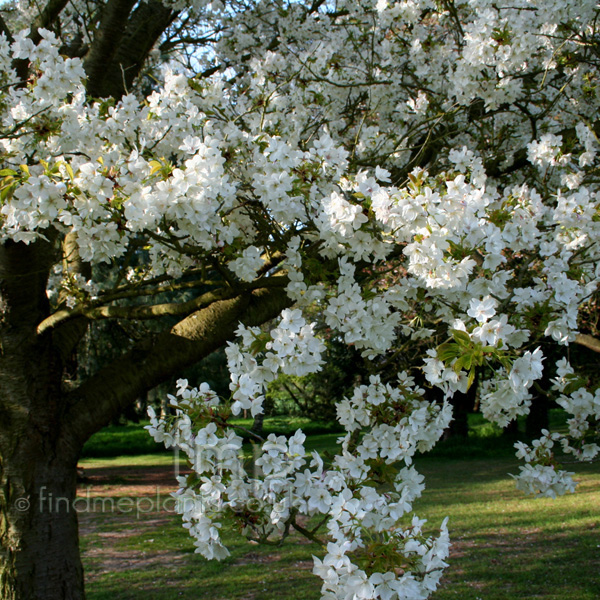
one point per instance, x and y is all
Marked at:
(505, 546)
(142, 460)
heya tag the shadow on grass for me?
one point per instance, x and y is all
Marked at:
(531, 565)
(505, 546)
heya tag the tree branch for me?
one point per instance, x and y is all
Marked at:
(583, 339)
(67, 338)
(147, 23)
(105, 395)
(46, 18)
(167, 46)
(520, 159)
(308, 534)
(5, 30)
(136, 289)
(153, 311)
(106, 43)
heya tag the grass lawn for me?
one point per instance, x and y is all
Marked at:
(484, 440)
(133, 440)
(508, 546)
(505, 546)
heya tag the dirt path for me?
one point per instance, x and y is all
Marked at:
(118, 503)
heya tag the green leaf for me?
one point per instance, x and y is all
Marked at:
(462, 337)
(7, 172)
(471, 377)
(464, 362)
(156, 166)
(573, 386)
(9, 189)
(259, 345)
(448, 351)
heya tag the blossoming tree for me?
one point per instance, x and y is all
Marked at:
(416, 170)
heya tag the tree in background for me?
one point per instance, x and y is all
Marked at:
(316, 395)
(423, 172)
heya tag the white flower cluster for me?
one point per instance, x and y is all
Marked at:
(291, 348)
(266, 501)
(399, 421)
(545, 152)
(214, 454)
(444, 377)
(368, 323)
(297, 289)
(309, 154)
(585, 410)
(539, 476)
(426, 557)
(507, 396)
(246, 266)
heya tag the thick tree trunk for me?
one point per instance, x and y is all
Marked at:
(462, 405)
(538, 417)
(39, 554)
(39, 548)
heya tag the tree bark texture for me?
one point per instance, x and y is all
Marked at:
(122, 45)
(39, 553)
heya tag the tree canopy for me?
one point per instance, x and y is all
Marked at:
(423, 173)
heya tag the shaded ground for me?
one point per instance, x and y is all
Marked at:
(505, 546)
(134, 547)
(118, 503)
(141, 480)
